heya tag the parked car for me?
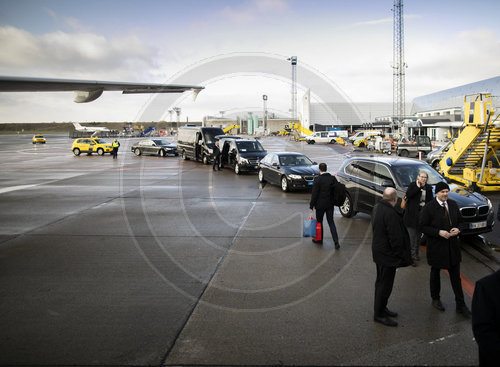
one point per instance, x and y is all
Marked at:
(38, 139)
(288, 170)
(154, 147)
(241, 154)
(197, 143)
(91, 145)
(434, 157)
(328, 137)
(366, 178)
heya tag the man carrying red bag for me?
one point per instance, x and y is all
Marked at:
(322, 201)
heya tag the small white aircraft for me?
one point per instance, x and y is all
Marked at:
(88, 90)
(93, 129)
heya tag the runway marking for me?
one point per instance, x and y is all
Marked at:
(442, 339)
(15, 188)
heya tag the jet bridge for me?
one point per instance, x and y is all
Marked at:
(472, 158)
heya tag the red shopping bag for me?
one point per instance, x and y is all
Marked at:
(318, 232)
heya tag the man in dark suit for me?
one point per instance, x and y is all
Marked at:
(439, 221)
(390, 250)
(486, 319)
(322, 200)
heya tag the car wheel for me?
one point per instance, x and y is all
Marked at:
(361, 145)
(312, 142)
(347, 209)
(261, 176)
(404, 153)
(333, 141)
(237, 169)
(76, 151)
(204, 159)
(284, 184)
(100, 151)
(184, 155)
(137, 151)
(435, 164)
(161, 153)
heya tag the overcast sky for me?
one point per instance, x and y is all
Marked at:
(447, 43)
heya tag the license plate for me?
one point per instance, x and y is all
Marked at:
(477, 225)
(310, 183)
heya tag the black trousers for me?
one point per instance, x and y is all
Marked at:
(216, 162)
(329, 218)
(383, 288)
(456, 283)
(115, 153)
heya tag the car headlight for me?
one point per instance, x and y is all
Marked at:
(295, 177)
(490, 205)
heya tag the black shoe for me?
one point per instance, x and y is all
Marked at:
(317, 242)
(464, 310)
(337, 245)
(436, 303)
(390, 313)
(385, 320)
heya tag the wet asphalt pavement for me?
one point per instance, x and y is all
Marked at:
(158, 261)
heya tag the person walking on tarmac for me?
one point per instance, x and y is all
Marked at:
(322, 200)
(115, 145)
(216, 156)
(390, 250)
(439, 220)
(418, 194)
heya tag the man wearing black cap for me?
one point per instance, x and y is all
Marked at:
(439, 220)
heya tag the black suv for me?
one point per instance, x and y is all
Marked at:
(241, 154)
(366, 178)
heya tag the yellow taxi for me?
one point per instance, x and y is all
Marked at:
(91, 145)
(38, 139)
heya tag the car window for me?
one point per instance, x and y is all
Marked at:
(350, 169)
(294, 160)
(100, 141)
(381, 174)
(365, 170)
(408, 173)
(274, 159)
(249, 146)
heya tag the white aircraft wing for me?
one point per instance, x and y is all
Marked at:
(87, 90)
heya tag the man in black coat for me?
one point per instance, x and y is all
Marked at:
(439, 220)
(486, 319)
(216, 156)
(390, 250)
(322, 200)
(417, 195)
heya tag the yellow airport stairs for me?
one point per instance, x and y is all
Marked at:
(301, 129)
(229, 128)
(471, 157)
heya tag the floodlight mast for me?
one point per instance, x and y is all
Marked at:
(399, 66)
(293, 60)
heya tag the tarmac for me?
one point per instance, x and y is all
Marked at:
(149, 261)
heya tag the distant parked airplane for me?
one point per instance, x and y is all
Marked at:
(88, 90)
(93, 129)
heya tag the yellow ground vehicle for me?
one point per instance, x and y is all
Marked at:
(91, 145)
(38, 139)
(471, 157)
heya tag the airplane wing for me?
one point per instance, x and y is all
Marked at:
(87, 90)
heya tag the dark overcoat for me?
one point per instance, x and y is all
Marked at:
(322, 192)
(412, 210)
(441, 252)
(391, 242)
(486, 319)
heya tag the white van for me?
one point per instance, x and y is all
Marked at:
(361, 134)
(328, 137)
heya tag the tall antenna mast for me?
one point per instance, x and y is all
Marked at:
(399, 65)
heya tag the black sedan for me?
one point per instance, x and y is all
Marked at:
(154, 147)
(366, 178)
(288, 170)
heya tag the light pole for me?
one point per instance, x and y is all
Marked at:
(293, 61)
(264, 118)
(177, 111)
